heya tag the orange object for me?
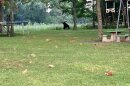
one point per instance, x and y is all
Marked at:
(109, 73)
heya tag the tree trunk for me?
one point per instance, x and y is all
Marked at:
(74, 14)
(99, 16)
(1, 16)
(93, 16)
(11, 15)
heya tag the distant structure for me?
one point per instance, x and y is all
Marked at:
(110, 6)
(48, 10)
(90, 4)
(110, 11)
(124, 9)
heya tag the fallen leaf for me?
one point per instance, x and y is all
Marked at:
(51, 66)
(56, 46)
(48, 40)
(33, 55)
(24, 71)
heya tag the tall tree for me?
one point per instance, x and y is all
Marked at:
(99, 16)
(74, 14)
(70, 6)
(93, 13)
(1, 13)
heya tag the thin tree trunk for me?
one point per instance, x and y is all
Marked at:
(93, 15)
(99, 16)
(11, 15)
(74, 14)
(1, 16)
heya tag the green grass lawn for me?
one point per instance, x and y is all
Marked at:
(78, 58)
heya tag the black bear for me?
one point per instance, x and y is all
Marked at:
(65, 26)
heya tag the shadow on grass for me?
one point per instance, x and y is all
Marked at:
(15, 34)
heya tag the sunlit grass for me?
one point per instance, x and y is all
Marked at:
(78, 59)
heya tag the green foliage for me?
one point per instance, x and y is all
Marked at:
(81, 9)
(36, 10)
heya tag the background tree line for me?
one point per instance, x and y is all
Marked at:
(56, 11)
(61, 10)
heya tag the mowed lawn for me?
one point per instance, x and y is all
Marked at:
(78, 59)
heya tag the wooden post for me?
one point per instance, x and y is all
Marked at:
(8, 20)
(11, 18)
